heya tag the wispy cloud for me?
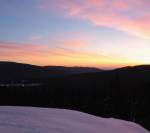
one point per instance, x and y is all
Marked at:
(42, 55)
(131, 16)
(70, 43)
(12, 49)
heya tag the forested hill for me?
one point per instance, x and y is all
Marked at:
(12, 70)
(122, 93)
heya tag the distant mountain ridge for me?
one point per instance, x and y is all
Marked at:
(15, 70)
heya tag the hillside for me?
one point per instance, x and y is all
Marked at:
(12, 70)
(121, 93)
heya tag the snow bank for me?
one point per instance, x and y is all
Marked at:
(44, 120)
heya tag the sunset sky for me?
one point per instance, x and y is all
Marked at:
(94, 33)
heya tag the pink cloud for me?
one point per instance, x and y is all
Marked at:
(131, 16)
(43, 55)
(72, 43)
(11, 49)
(63, 47)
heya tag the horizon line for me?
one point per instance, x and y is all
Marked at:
(77, 66)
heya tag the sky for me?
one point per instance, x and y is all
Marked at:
(94, 33)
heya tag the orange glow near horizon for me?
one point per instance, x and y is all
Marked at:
(91, 33)
(37, 55)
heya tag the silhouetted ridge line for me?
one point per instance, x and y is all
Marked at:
(13, 70)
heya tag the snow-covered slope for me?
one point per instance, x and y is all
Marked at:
(42, 120)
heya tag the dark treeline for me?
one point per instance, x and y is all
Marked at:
(122, 93)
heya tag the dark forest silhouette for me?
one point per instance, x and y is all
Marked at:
(121, 93)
